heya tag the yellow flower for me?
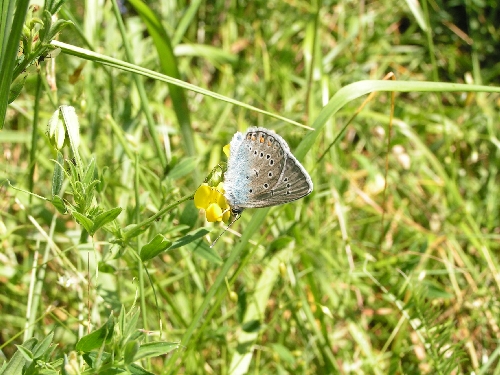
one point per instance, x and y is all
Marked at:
(214, 203)
(210, 196)
(213, 212)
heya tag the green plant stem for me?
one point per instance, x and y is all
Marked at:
(31, 59)
(430, 41)
(310, 54)
(34, 134)
(10, 32)
(137, 228)
(140, 89)
(125, 66)
(140, 266)
(254, 224)
(36, 288)
(169, 65)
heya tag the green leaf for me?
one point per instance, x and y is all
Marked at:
(122, 322)
(242, 304)
(104, 218)
(169, 66)
(154, 349)
(251, 326)
(133, 230)
(96, 339)
(56, 131)
(26, 353)
(57, 27)
(280, 243)
(189, 215)
(131, 349)
(58, 203)
(106, 268)
(16, 87)
(54, 6)
(43, 346)
(73, 129)
(73, 170)
(89, 172)
(284, 353)
(202, 249)
(433, 291)
(58, 176)
(190, 237)
(64, 364)
(47, 24)
(18, 360)
(215, 55)
(156, 246)
(91, 358)
(84, 221)
(183, 168)
(12, 19)
(138, 370)
(89, 193)
(129, 323)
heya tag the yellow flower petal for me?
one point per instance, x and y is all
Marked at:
(226, 215)
(222, 202)
(213, 201)
(202, 196)
(213, 213)
(226, 150)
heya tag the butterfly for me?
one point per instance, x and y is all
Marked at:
(262, 172)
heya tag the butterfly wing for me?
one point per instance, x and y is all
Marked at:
(255, 164)
(262, 172)
(294, 183)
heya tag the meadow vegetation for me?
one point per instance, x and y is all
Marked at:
(111, 116)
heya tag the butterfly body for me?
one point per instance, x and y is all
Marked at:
(262, 172)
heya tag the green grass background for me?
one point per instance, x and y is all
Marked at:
(389, 266)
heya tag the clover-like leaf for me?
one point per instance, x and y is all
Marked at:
(84, 221)
(154, 247)
(97, 338)
(105, 217)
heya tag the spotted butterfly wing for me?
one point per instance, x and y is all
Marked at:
(262, 172)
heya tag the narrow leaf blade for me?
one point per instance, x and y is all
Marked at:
(190, 237)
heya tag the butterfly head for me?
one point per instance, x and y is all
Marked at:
(236, 212)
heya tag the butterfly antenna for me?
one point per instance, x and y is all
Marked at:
(224, 231)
